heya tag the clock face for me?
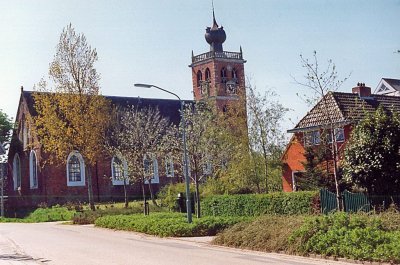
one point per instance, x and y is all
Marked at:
(231, 88)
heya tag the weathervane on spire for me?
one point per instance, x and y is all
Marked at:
(215, 35)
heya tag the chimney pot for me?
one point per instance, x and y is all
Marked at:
(362, 90)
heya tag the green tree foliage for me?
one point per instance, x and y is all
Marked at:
(372, 158)
(73, 116)
(142, 136)
(6, 126)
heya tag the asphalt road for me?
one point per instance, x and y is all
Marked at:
(55, 243)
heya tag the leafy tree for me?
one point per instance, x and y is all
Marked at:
(73, 116)
(372, 158)
(203, 146)
(6, 126)
(320, 82)
(265, 114)
(142, 136)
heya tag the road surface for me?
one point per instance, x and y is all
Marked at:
(56, 243)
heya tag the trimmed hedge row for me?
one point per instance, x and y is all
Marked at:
(282, 203)
(168, 224)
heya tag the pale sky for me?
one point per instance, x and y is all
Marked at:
(151, 42)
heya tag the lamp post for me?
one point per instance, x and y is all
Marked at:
(186, 168)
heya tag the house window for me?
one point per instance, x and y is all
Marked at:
(208, 74)
(75, 169)
(207, 169)
(223, 75)
(199, 78)
(339, 135)
(17, 172)
(119, 171)
(312, 138)
(169, 167)
(151, 170)
(33, 178)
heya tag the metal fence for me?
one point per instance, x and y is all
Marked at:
(357, 202)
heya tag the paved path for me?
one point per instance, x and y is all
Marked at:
(55, 243)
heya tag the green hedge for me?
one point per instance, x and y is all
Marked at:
(283, 203)
(168, 224)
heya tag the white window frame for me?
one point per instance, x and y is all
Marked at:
(336, 135)
(82, 168)
(33, 172)
(169, 167)
(155, 179)
(17, 172)
(312, 138)
(118, 182)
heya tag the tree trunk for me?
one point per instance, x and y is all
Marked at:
(334, 154)
(266, 170)
(196, 181)
(151, 193)
(90, 188)
(126, 195)
(144, 198)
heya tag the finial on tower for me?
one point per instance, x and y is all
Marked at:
(215, 35)
(215, 24)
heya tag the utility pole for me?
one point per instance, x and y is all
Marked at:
(2, 173)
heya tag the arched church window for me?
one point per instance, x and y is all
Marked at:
(75, 169)
(119, 171)
(208, 74)
(33, 178)
(17, 172)
(223, 75)
(199, 78)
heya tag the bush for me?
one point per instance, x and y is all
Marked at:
(89, 216)
(268, 233)
(55, 213)
(361, 237)
(168, 195)
(167, 224)
(259, 204)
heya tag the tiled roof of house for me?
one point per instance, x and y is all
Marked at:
(168, 107)
(339, 107)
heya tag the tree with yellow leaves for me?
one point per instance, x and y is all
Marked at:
(72, 115)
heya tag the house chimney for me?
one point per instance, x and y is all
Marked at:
(362, 90)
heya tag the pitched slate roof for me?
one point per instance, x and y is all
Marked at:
(167, 107)
(344, 108)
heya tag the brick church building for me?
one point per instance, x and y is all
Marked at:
(217, 75)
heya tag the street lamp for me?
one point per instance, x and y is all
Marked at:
(188, 204)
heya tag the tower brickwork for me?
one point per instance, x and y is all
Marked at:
(217, 74)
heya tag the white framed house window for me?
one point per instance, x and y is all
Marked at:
(17, 172)
(119, 171)
(339, 135)
(33, 177)
(151, 170)
(169, 167)
(312, 138)
(75, 170)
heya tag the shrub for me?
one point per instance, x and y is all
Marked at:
(266, 233)
(167, 224)
(89, 216)
(361, 237)
(258, 204)
(168, 195)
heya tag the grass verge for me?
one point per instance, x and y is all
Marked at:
(168, 224)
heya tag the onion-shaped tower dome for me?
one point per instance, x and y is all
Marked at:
(215, 36)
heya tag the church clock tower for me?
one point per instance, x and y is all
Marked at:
(218, 75)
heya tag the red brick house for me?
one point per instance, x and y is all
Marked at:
(344, 109)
